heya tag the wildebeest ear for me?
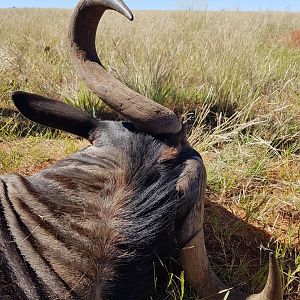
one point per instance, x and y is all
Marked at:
(55, 114)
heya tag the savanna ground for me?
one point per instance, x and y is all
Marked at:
(235, 77)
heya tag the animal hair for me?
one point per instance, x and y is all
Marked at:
(94, 225)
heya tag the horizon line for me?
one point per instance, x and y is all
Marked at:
(166, 10)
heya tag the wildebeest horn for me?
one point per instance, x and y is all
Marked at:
(190, 237)
(146, 114)
(273, 288)
(204, 281)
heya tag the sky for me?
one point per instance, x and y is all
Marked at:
(245, 5)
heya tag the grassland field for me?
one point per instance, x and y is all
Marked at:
(234, 76)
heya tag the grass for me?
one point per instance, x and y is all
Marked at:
(30, 154)
(233, 76)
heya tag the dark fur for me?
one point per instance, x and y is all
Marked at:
(94, 225)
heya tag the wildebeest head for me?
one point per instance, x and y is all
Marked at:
(150, 119)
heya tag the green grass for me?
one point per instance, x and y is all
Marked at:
(27, 155)
(234, 78)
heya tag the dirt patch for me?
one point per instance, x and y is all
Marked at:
(292, 38)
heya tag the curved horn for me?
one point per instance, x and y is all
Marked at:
(273, 287)
(202, 278)
(146, 114)
(190, 238)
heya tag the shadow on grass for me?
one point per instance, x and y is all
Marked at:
(239, 252)
(6, 112)
(14, 124)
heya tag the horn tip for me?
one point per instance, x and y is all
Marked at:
(129, 16)
(274, 273)
(122, 8)
(272, 259)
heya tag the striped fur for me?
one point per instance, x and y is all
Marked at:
(93, 225)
